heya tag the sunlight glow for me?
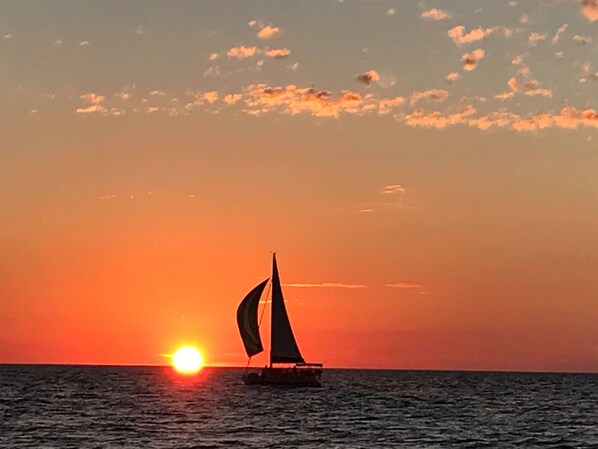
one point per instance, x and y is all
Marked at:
(187, 360)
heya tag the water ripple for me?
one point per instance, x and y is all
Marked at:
(80, 407)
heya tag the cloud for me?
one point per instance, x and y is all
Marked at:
(212, 72)
(139, 30)
(84, 44)
(470, 60)
(438, 95)
(589, 8)
(438, 119)
(231, 99)
(393, 188)
(200, 99)
(459, 37)
(213, 56)
(367, 77)
(260, 99)
(327, 285)
(513, 84)
(94, 104)
(504, 96)
(530, 88)
(452, 77)
(435, 14)
(7, 36)
(391, 12)
(242, 52)
(403, 285)
(534, 38)
(122, 95)
(558, 33)
(156, 93)
(211, 97)
(268, 32)
(581, 40)
(568, 118)
(588, 73)
(277, 53)
(387, 105)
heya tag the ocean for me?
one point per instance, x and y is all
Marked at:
(151, 407)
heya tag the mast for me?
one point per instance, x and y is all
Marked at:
(283, 346)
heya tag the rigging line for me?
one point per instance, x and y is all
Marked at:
(265, 303)
(248, 362)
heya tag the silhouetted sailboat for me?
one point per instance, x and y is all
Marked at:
(283, 347)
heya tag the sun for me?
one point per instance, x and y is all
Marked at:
(187, 360)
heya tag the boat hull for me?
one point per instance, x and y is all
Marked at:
(305, 377)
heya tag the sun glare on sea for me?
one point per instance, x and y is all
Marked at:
(187, 360)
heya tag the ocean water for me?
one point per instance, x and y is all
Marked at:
(151, 407)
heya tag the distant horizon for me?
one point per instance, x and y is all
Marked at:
(168, 366)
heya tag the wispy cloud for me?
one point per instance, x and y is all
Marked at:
(558, 33)
(94, 104)
(403, 285)
(568, 118)
(437, 119)
(327, 285)
(277, 53)
(212, 72)
(436, 14)
(393, 188)
(123, 95)
(437, 95)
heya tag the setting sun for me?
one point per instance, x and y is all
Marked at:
(187, 360)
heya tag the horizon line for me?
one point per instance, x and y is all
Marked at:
(218, 366)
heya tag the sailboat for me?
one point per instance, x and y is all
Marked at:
(287, 366)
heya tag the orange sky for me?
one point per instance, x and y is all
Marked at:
(421, 243)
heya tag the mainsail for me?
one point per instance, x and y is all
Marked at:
(284, 348)
(247, 320)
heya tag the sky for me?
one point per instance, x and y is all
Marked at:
(425, 172)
